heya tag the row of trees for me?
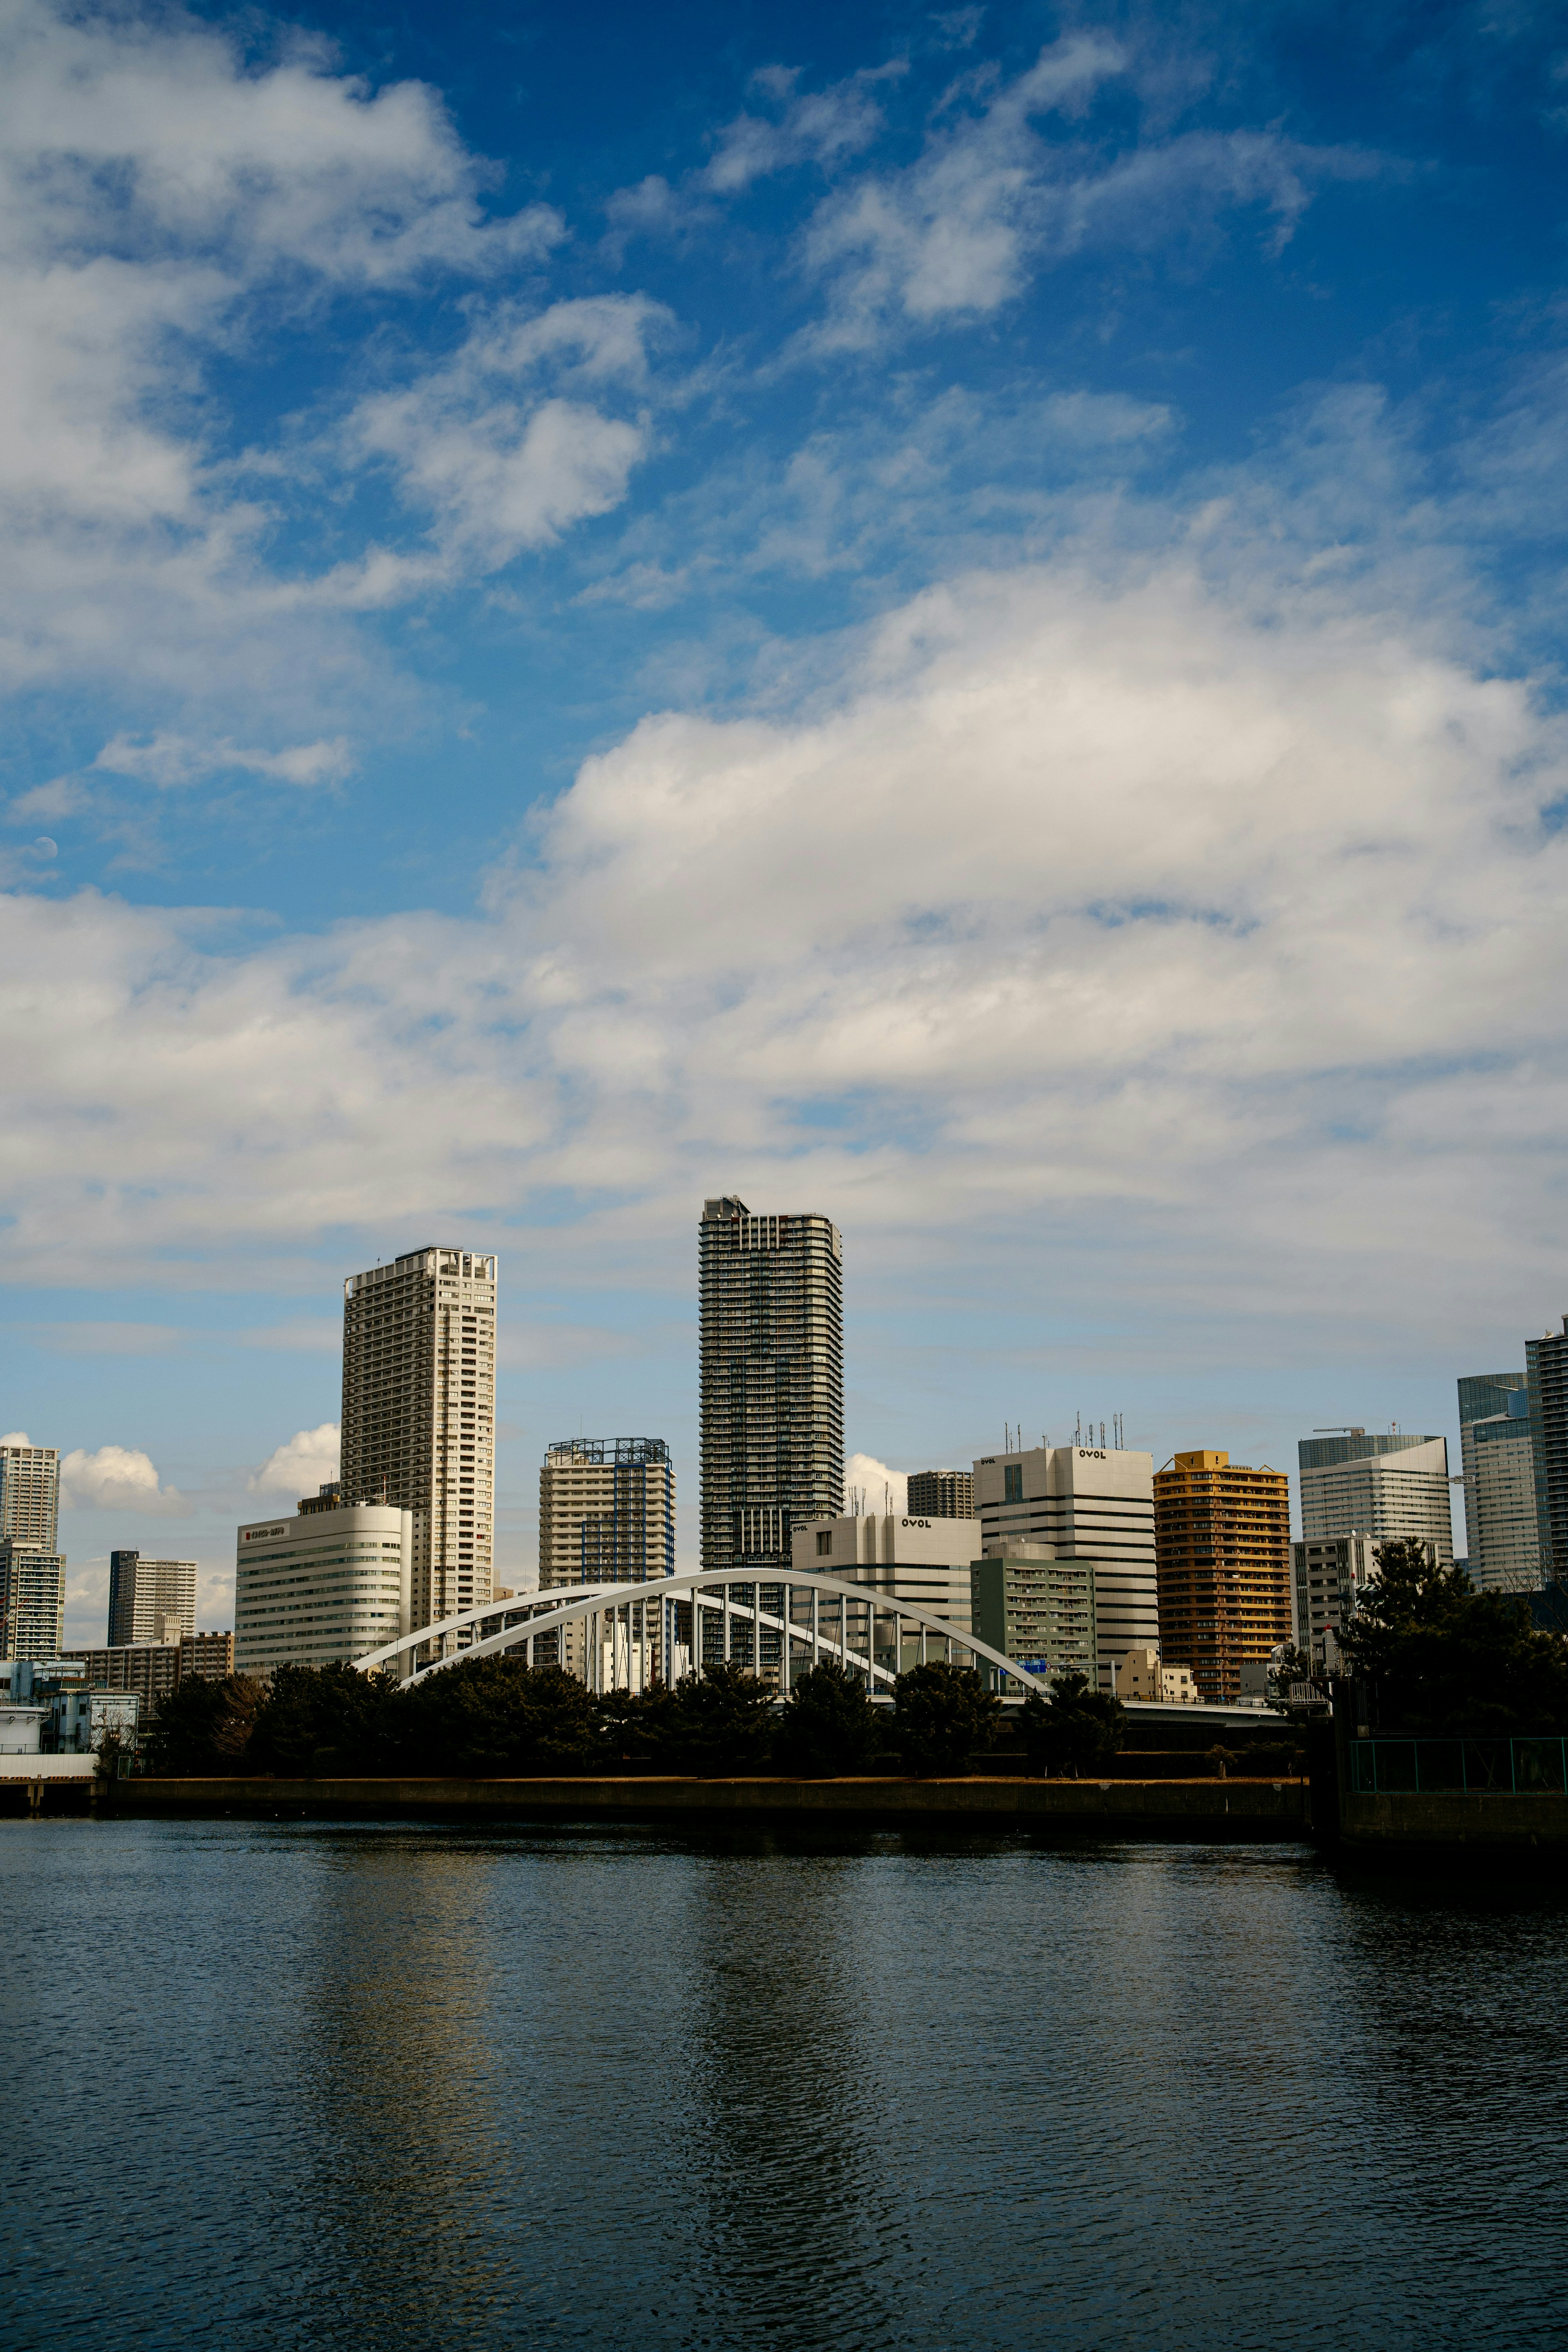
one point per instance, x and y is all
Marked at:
(500, 1717)
(1448, 1659)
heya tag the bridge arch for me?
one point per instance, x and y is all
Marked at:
(549, 1613)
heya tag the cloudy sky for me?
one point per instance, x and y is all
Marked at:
(948, 617)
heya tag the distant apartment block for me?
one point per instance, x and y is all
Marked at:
(418, 1426)
(1377, 1485)
(1222, 1543)
(150, 1600)
(941, 1495)
(30, 1495)
(607, 1515)
(771, 1365)
(32, 1601)
(1498, 1457)
(322, 1588)
(150, 1669)
(209, 1657)
(1037, 1609)
(1546, 1367)
(1082, 1502)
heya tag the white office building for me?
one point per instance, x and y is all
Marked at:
(1497, 1453)
(923, 1561)
(1381, 1487)
(322, 1587)
(1082, 1502)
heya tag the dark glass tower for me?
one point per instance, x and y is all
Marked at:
(1546, 1366)
(771, 1317)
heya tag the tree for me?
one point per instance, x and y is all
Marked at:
(498, 1717)
(829, 1726)
(1288, 1666)
(719, 1722)
(323, 1720)
(202, 1729)
(1446, 1658)
(941, 1713)
(1080, 1731)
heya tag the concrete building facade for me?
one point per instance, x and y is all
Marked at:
(150, 1600)
(1082, 1502)
(1377, 1485)
(418, 1421)
(30, 1495)
(941, 1494)
(1498, 1457)
(1546, 1367)
(607, 1515)
(771, 1365)
(1037, 1608)
(320, 1588)
(1142, 1675)
(1222, 1544)
(150, 1669)
(1329, 1576)
(32, 1601)
(896, 1556)
(209, 1657)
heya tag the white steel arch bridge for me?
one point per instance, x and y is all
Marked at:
(630, 1630)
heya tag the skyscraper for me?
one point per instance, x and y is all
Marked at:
(1222, 1540)
(1498, 1457)
(144, 1595)
(1546, 1365)
(1378, 1485)
(607, 1515)
(419, 1393)
(941, 1495)
(32, 1601)
(770, 1344)
(30, 1494)
(1082, 1502)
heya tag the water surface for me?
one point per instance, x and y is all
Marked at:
(371, 2085)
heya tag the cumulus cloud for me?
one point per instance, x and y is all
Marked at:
(989, 200)
(500, 445)
(300, 1465)
(878, 1488)
(810, 126)
(118, 1479)
(1135, 894)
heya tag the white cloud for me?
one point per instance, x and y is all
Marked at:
(1130, 897)
(879, 1488)
(171, 760)
(116, 1479)
(961, 229)
(500, 446)
(812, 126)
(303, 1462)
(15, 1437)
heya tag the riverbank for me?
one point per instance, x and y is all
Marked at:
(1206, 1808)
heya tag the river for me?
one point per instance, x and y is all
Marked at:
(385, 2086)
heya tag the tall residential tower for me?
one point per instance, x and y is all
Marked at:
(1546, 1364)
(771, 1342)
(1503, 1538)
(419, 1408)
(29, 1494)
(1222, 1539)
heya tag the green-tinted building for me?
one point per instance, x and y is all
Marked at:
(1036, 1610)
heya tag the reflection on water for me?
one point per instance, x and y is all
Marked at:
(418, 2087)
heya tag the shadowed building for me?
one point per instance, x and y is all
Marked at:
(1546, 1364)
(771, 1354)
(1222, 1539)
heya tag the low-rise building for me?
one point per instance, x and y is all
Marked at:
(208, 1656)
(1142, 1675)
(21, 1729)
(1036, 1609)
(81, 1720)
(150, 1669)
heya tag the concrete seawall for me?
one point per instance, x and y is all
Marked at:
(1207, 1808)
(1451, 1818)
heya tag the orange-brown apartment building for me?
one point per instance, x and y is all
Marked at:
(1222, 1559)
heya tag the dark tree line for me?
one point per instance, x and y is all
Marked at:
(1446, 1658)
(498, 1718)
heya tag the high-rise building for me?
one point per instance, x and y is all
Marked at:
(771, 1352)
(607, 1515)
(1498, 1457)
(1546, 1365)
(30, 1494)
(1082, 1502)
(322, 1588)
(32, 1601)
(941, 1495)
(1222, 1544)
(1377, 1485)
(419, 1401)
(1329, 1576)
(141, 1591)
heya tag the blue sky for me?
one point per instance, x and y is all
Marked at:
(952, 617)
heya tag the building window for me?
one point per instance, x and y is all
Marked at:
(1013, 1482)
(824, 1544)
